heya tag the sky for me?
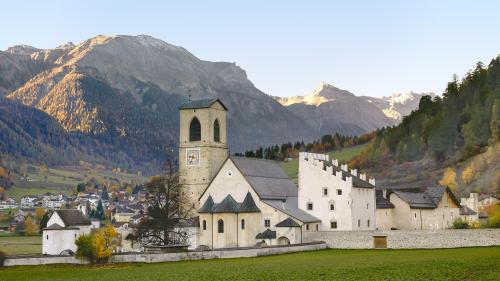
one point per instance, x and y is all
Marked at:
(287, 48)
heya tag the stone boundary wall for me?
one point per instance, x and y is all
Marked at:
(165, 257)
(400, 239)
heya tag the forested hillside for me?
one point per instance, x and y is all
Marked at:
(447, 130)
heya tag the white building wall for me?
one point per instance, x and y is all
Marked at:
(352, 205)
(56, 241)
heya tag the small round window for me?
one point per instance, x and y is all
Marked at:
(229, 173)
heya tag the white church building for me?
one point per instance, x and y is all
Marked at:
(245, 201)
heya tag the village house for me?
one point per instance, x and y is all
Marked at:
(434, 207)
(341, 199)
(469, 208)
(63, 228)
(486, 200)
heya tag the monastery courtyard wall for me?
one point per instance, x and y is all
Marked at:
(414, 239)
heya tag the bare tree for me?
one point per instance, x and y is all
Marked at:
(169, 209)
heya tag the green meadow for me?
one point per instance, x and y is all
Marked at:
(442, 264)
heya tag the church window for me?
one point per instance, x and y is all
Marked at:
(309, 206)
(242, 224)
(195, 130)
(267, 223)
(368, 223)
(216, 131)
(359, 223)
(307, 226)
(220, 226)
(47, 237)
(317, 227)
(204, 225)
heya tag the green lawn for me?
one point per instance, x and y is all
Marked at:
(344, 156)
(21, 245)
(446, 264)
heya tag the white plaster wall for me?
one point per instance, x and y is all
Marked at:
(350, 207)
(384, 219)
(56, 241)
(55, 219)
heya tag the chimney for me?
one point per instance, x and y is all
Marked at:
(354, 172)
(362, 176)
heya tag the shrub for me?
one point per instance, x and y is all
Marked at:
(460, 224)
(494, 220)
(98, 246)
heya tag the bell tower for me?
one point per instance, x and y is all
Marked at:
(202, 144)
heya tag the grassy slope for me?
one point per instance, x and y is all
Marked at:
(21, 245)
(443, 264)
(292, 167)
(63, 180)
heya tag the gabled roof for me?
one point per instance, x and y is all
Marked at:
(266, 177)
(381, 202)
(248, 205)
(289, 222)
(466, 211)
(207, 206)
(55, 226)
(485, 196)
(429, 198)
(206, 103)
(267, 234)
(73, 217)
(290, 207)
(228, 205)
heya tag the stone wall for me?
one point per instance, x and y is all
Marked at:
(417, 239)
(165, 257)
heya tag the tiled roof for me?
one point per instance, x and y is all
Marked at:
(266, 177)
(429, 198)
(195, 104)
(289, 222)
(73, 217)
(267, 234)
(248, 205)
(228, 205)
(381, 202)
(290, 207)
(466, 211)
(207, 206)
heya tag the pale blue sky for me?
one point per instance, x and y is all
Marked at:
(287, 48)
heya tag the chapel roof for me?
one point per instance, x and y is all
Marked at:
(73, 217)
(427, 198)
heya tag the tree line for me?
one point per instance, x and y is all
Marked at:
(324, 144)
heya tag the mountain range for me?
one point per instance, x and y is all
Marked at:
(115, 98)
(329, 109)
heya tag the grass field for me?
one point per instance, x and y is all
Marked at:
(446, 264)
(21, 245)
(292, 167)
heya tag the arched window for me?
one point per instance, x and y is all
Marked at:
(195, 130)
(242, 224)
(204, 225)
(216, 131)
(220, 226)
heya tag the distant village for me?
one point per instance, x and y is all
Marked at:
(246, 202)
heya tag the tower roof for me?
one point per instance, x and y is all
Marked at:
(196, 104)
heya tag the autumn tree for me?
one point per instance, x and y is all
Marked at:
(30, 226)
(449, 179)
(39, 213)
(168, 207)
(97, 246)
